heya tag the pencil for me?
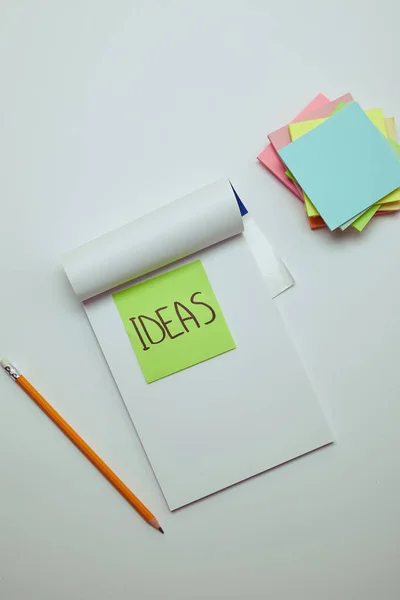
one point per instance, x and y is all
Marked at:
(81, 444)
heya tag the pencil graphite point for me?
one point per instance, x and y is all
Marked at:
(161, 529)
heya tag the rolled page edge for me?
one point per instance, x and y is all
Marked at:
(90, 267)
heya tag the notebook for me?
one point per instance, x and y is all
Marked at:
(227, 398)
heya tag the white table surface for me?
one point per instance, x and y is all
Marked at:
(108, 110)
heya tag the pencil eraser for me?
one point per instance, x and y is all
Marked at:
(10, 369)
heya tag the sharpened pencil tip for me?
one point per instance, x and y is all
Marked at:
(161, 529)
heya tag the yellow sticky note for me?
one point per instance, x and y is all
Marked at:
(297, 130)
(390, 133)
(390, 125)
(376, 116)
(389, 207)
(390, 128)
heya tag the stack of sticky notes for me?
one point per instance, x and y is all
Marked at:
(342, 161)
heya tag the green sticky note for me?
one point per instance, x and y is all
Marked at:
(339, 107)
(173, 321)
(310, 208)
(361, 222)
(290, 175)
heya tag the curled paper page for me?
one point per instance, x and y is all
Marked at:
(163, 236)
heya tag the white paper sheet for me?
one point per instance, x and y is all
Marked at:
(232, 417)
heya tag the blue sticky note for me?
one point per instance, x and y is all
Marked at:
(344, 165)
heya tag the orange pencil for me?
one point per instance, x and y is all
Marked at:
(81, 444)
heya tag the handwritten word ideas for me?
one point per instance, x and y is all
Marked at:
(173, 321)
(144, 324)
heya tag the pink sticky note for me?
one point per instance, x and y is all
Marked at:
(318, 102)
(281, 137)
(270, 159)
